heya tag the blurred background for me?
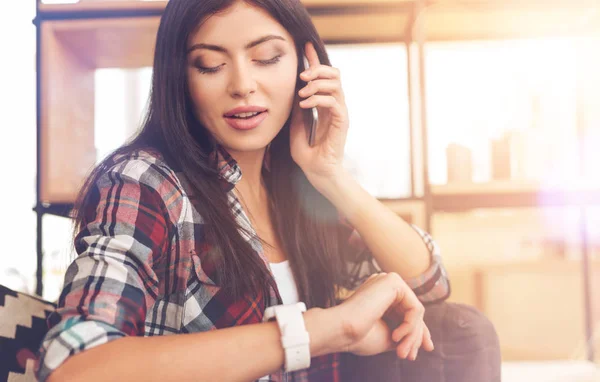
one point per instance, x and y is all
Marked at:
(478, 120)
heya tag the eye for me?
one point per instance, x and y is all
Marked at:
(215, 69)
(204, 70)
(271, 61)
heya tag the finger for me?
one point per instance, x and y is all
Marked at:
(417, 344)
(325, 101)
(411, 318)
(404, 348)
(427, 341)
(408, 301)
(320, 71)
(414, 353)
(401, 331)
(372, 298)
(405, 297)
(323, 87)
(411, 342)
(407, 334)
(311, 55)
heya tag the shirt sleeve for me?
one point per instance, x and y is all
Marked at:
(111, 283)
(431, 286)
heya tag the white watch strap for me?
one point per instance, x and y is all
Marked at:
(297, 351)
(294, 337)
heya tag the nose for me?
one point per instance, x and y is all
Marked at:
(242, 83)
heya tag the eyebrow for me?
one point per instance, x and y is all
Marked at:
(251, 44)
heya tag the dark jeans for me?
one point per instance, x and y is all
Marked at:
(466, 350)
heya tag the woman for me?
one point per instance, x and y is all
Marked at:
(172, 238)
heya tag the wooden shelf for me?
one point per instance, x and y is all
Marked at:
(511, 194)
(495, 20)
(107, 43)
(508, 187)
(411, 210)
(100, 6)
(543, 266)
(159, 5)
(389, 20)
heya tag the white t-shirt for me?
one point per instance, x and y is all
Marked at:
(285, 282)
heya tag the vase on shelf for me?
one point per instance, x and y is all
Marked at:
(459, 161)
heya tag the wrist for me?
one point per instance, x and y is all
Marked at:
(346, 195)
(335, 186)
(325, 331)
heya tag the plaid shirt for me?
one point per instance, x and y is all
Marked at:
(139, 271)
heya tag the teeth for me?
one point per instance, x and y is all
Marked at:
(246, 115)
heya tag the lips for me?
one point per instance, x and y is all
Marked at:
(246, 123)
(245, 109)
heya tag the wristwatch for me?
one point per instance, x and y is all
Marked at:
(294, 337)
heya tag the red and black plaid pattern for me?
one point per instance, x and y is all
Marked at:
(140, 270)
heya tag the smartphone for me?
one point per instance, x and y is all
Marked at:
(311, 116)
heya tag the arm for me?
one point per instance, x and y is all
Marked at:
(111, 287)
(248, 352)
(240, 353)
(395, 245)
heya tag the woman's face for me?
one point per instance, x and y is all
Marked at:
(242, 58)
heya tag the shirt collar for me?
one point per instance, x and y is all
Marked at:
(229, 170)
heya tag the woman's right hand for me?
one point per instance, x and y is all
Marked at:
(361, 316)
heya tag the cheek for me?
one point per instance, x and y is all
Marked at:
(198, 93)
(284, 85)
(203, 99)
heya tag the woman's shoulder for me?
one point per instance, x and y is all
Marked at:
(141, 177)
(146, 166)
(138, 173)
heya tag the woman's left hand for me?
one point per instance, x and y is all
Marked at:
(322, 161)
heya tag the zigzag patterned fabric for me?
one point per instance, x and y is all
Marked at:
(22, 328)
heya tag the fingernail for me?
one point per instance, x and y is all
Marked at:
(305, 73)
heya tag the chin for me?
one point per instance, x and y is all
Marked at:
(247, 145)
(249, 141)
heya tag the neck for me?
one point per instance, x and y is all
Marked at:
(251, 185)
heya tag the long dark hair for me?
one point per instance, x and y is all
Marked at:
(306, 223)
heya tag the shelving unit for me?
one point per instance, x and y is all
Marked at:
(510, 194)
(73, 40)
